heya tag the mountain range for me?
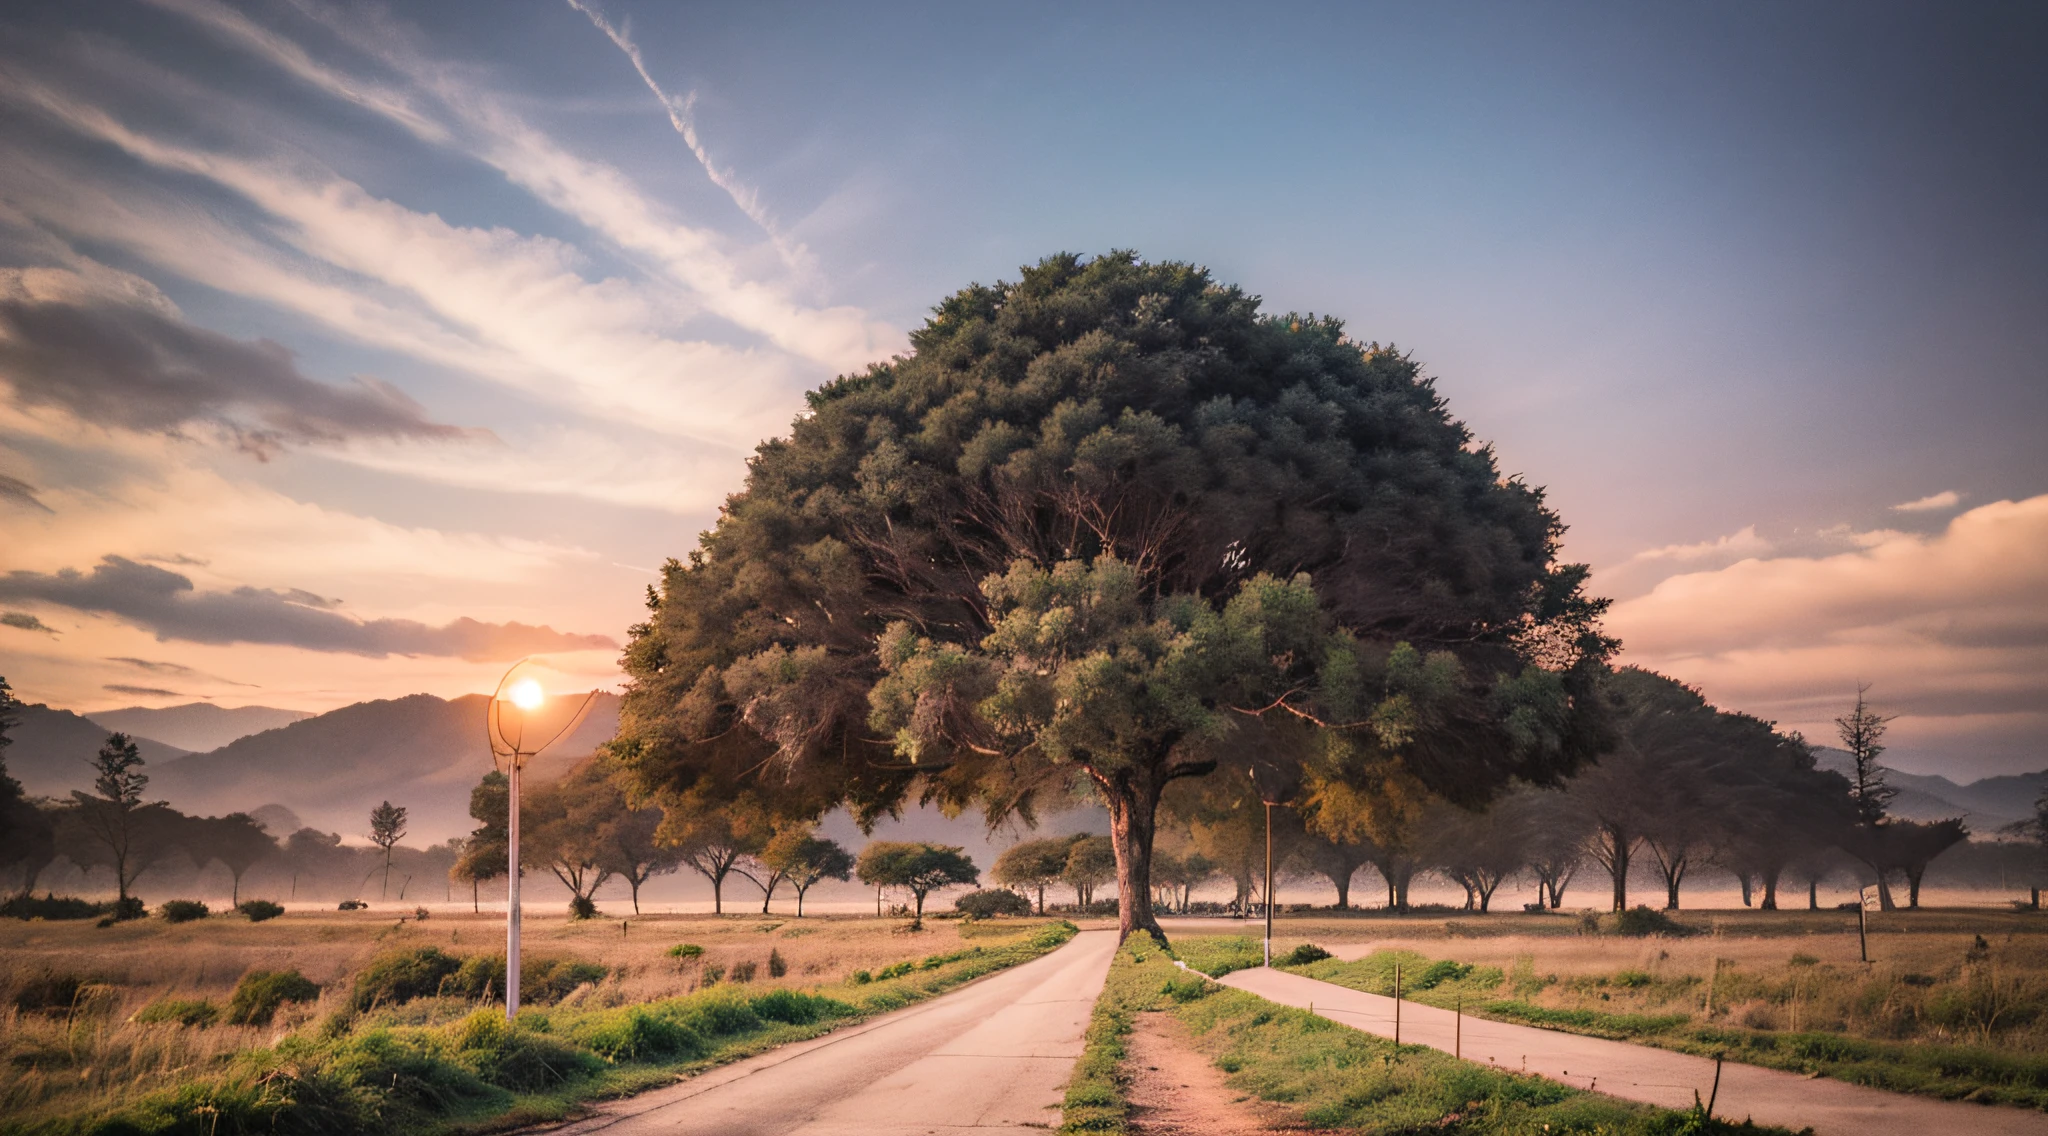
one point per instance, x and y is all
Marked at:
(197, 726)
(419, 751)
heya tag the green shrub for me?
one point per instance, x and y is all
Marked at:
(541, 980)
(992, 902)
(636, 1034)
(777, 965)
(685, 951)
(1640, 921)
(1302, 956)
(399, 976)
(744, 971)
(1188, 987)
(582, 907)
(894, 970)
(182, 910)
(261, 992)
(1438, 973)
(795, 1008)
(712, 973)
(51, 906)
(1632, 979)
(197, 1013)
(53, 992)
(259, 909)
(859, 978)
(515, 1058)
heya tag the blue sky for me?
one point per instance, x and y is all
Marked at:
(340, 325)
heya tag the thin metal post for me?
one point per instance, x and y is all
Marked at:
(512, 901)
(1269, 883)
(1397, 1003)
(1862, 927)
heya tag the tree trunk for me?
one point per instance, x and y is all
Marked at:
(1744, 878)
(1913, 886)
(1770, 882)
(1884, 894)
(476, 903)
(635, 885)
(718, 894)
(1343, 883)
(1813, 895)
(1133, 800)
(1618, 866)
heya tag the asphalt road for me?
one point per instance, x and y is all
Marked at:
(993, 1056)
(1641, 1073)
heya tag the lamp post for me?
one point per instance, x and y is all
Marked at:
(521, 724)
(1275, 785)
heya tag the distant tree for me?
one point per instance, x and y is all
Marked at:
(804, 859)
(918, 868)
(2034, 830)
(236, 840)
(630, 842)
(487, 851)
(1792, 814)
(1181, 873)
(1029, 865)
(1862, 732)
(571, 827)
(1388, 824)
(1091, 862)
(27, 838)
(1557, 844)
(711, 840)
(1912, 845)
(113, 826)
(1335, 860)
(311, 852)
(1479, 851)
(387, 828)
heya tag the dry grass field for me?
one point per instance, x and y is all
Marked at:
(71, 993)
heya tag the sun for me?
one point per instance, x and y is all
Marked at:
(526, 694)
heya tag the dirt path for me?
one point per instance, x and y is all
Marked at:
(1175, 1090)
(1641, 1073)
(993, 1056)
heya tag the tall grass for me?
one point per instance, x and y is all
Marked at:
(95, 1063)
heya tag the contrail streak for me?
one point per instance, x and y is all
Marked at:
(679, 116)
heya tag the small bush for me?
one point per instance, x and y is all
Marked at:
(182, 910)
(685, 951)
(1631, 979)
(52, 992)
(793, 1008)
(859, 978)
(395, 977)
(777, 965)
(1642, 921)
(51, 906)
(1803, 959)
(635, 1034)
(1302, 956)
(992, 902)
(744, 971)
(515, 1058)
(196, 1013)
(712, 973)
(1438, 973)
(582, 907)
(894, 970)
(540, 979)
(1187, 988)
(261, 992)
(350, 905)
(259, 909)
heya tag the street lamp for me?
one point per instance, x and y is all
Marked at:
(521, 723)
(1276, 785)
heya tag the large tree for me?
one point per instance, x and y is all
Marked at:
(916, 867)
(387, 828)
(487, 851)
(1030, 865)
(236, 840)
(27, 840)
(113, 827)
(1095, 521)
(804, 858)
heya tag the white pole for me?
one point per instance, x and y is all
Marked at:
(512, 902)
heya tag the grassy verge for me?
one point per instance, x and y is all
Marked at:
(350, 1073)
(1949, 1072)
(1336, 1076)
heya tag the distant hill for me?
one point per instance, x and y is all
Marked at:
(422, 752)
(197, 726)
(53, 749)
(1986, 805)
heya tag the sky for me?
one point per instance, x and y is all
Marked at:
(349, 351)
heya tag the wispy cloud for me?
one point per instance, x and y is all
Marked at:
(1933, 502)
(142, 691)
(157, 666)
(25, 622)
(1744, 542)
(18, 492)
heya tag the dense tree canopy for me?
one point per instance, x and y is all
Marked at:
(1100, 520)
